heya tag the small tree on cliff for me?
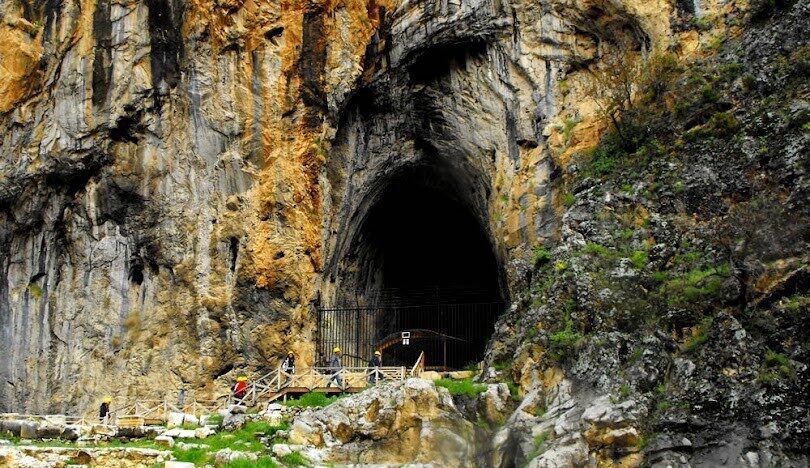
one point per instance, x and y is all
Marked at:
(629, 91)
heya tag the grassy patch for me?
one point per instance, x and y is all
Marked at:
(461, 387)
(295, 459)
(700, 337)
(540, 254)
(312, 400)
(261, 462)
(639, 259)
(569, 199)
(539, 444)
(694, 285)
(777, 367)
(563, 343)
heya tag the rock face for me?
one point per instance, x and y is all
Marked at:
(183, 182)
(409, 422)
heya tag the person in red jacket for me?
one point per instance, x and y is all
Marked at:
(240, 389)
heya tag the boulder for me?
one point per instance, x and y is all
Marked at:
(103, 429)
(11, 425)
(203, 432)
(49, 430)
(394, 423)
(191, 420)
(493, 405)
(175, 419)
(430, 376)
(164, 440)
(233, 422)
(73, 431)
(178, 464)
(28, 430)
(226, 456)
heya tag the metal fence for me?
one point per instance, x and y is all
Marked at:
(451, 335)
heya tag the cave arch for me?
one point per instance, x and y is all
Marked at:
(419, 257)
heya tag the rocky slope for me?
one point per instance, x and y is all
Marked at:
(183, 182)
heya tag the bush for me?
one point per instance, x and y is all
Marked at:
(294, 459)
(563, 343)
(700, 337)
(723, 124)
(541, 254)
(312, 400)
(639, 259)
(461, 387)
(597, 249)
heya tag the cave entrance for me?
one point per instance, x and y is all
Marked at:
(422, 263)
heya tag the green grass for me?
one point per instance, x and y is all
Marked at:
(777, 367)
(569, 199)
(215, 419)
(639, 259)
(700, 338)
(563, 343)
(539, 444)
(198, 456)
(295, 459)
(312, 400)
(597, 249)
(461, 387)
(540, 254)
(261, 462)
(695, 285)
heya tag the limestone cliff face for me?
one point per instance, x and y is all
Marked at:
(184, 180)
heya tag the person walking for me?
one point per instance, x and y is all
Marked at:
(375, 363)
(288, 366)
(104, 410)
(335, 365)
(240, 389)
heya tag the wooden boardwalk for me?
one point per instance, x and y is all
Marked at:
(270, 387)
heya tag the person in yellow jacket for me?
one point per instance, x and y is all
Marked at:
(104, 410)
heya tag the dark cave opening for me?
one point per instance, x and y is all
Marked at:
(429, 268)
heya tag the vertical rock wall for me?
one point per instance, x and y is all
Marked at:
(176, 176)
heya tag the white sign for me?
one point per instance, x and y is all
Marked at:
(406, 338)
(406, 341)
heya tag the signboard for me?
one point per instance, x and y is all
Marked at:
(406, 338)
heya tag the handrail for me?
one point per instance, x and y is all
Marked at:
(419, 367)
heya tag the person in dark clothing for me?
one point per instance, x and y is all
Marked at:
(375, 363)
(335, 366)
(288, 365)
(104, 410)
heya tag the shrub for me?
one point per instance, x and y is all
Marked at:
(541, 254)
(700, 337)
(723, 124)
(777, 367)
(261, 462)
(597, 249)
(569, 199)
(461, 387)
(295, 459)
(312, 399)
(563, 343)
(639, 259)
(560, 266)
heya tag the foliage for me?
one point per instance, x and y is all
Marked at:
(541, 254)
(569, 199)
(295, 459)
(563, 343)
(198, 456)
(514, 390)
(639, 259)
(261, 462)
(461, 386)
(560, 266)
(215, 419)
(777, 367)
(35, 290)
(700, 337)
(695, 285)
(312, 399)
(539, 444)
(597, 249)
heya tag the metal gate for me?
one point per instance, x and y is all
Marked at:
(452, 336)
